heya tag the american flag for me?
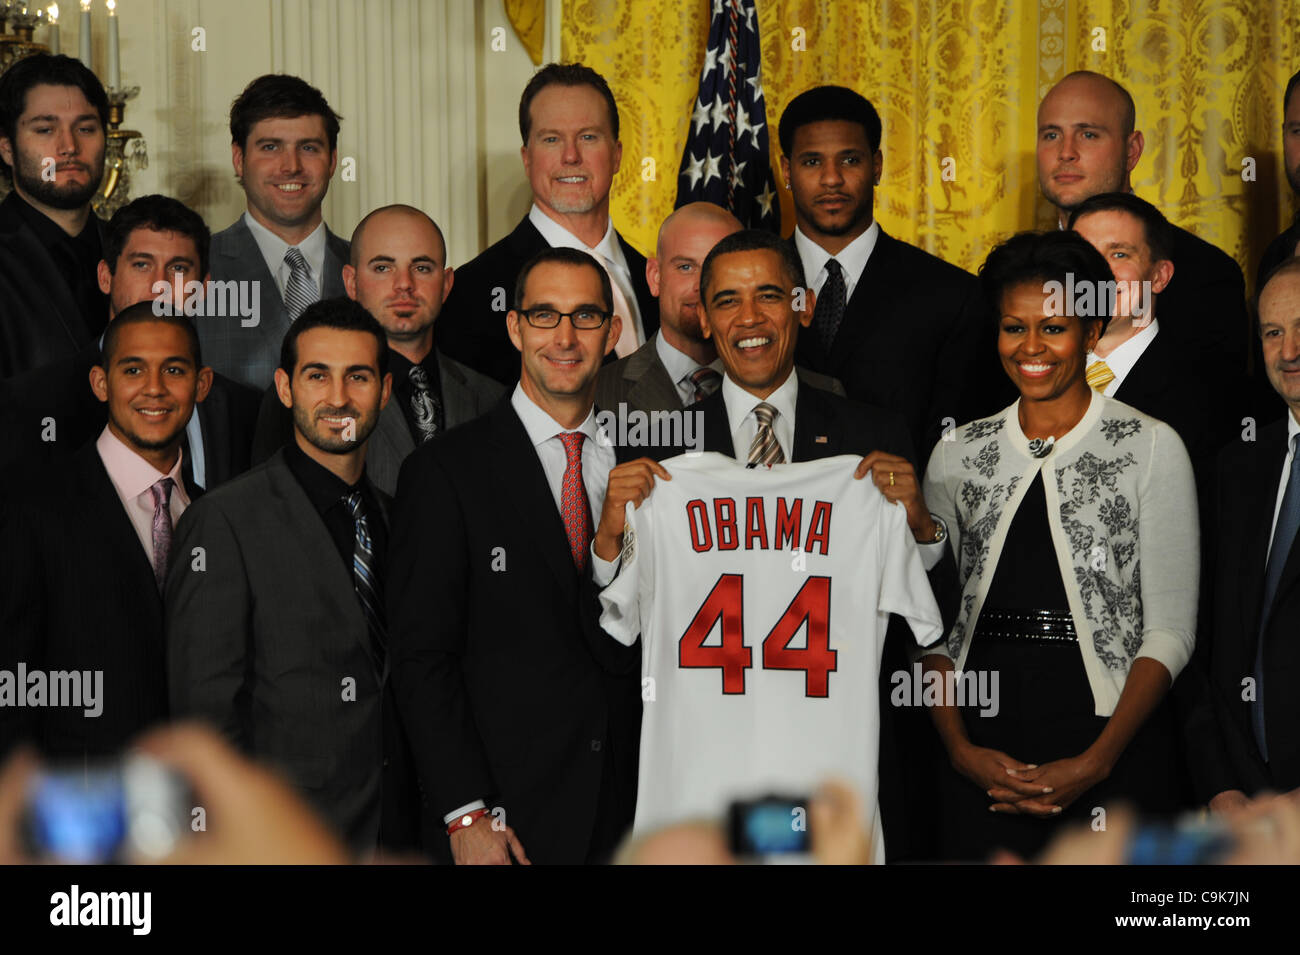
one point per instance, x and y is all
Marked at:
(726, 156)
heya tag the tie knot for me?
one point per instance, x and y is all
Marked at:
(572, 441)
(354, 505)
(833, 268)
(765, 413)
(162, 492)
(706, 379)
(295, 259)
(419, 377)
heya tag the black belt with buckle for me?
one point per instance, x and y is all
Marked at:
(1050, 625)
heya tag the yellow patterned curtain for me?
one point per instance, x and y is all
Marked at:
(959, 81)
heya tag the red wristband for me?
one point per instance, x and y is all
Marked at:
(467, 820)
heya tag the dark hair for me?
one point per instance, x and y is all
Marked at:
(142, 312)
(1291, 86)
(161, 214)
(1055, 256)
(1154, 224)
(279, 96)
(342, 313)
(752, 240)
(828, 102)
(40, 68)
(563, 256)
(564, 74)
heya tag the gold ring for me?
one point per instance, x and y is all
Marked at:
(891, 478)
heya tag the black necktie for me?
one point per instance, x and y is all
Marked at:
(425, 404)
(1288, 523)
(365, 579)
(830, 305)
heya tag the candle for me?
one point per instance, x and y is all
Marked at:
(114, 60)
(84, 37)
(53, 12)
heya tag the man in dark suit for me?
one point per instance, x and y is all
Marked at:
(1135, 361)
(1088, 144)
(1288, 243)
(764, 413)
(84, 544)
(398, 271)
(524, 742)
(1248, 726)
(50, 107)
(569, 123)
(153, 247)
(899, 327)
(284, 140)
(275, 624)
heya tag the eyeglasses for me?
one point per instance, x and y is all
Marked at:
(583, 318)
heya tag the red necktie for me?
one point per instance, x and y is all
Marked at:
(574, 507)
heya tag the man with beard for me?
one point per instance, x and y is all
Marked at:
(1288, 243)
(398, 271)
(275, 614)
(1088, 144)
(84, 544)
(53, 114)
(284, 139)
(899, 327)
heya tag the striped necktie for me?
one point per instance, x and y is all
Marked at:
(365, 579)
(765, 449)
(300, 291)
(1099, 376)
(705, 381)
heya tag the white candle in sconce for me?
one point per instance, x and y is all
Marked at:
(52, 14)
(83, 39)
(114, 59)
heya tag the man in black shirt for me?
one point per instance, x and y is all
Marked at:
(277, 634)
(1288, 243)
(53, 115)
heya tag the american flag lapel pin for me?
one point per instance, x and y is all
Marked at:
(819, 439)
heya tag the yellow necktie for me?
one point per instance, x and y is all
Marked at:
(1099, 375)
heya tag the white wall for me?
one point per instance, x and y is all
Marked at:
(429, 110)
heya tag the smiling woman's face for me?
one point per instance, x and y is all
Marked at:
(1044, 353)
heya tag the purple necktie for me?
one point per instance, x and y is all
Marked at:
(162, 528)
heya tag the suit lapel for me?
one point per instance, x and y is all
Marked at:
(1254, 558)
(214, 420)
(336, 253)
(864, 304)
(717, 428)
(242, 249)
(812, 421)
(457, 399)
(651, 386)
(522, 486)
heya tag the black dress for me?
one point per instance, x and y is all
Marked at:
(1045, 709)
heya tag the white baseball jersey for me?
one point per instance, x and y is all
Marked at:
(762, 597)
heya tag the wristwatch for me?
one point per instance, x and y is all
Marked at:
(941, 531)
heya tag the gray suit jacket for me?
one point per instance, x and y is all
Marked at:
(641, 381)
(251, 355)
(266, 640)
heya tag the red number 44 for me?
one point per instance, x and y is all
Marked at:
(726, 602)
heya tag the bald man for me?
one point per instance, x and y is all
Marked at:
(398, 271)
(1089, 144)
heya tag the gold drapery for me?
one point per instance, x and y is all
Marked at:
(961, 80)
(528, 18)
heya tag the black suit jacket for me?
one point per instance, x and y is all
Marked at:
(472, 331)
(1279, 250)
(498, 665)
(59, 394)
(78, 593)
(40, 321)
(915, 339)
(1227, 756)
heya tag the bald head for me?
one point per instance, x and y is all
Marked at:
(398, 271)
(685, 238)
(1087, 144)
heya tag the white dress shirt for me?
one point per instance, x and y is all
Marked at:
(132, 477)
(743, 424)
(597, 459)
(852, 259)
(273, 249)
(1125, 355)
(610, 253)
(680, 367)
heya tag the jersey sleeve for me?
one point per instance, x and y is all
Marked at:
(904, 588)
(621, 601)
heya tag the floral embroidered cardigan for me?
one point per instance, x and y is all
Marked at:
(1121, 502)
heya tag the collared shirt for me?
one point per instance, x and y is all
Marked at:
(76, 256)
(1292, 429)
(597, 457)
(273, 249)
(399, 366)
(743, 424)
(852, 258)
(680, 367)
(326, 491)
(132, 477)
(608, 248)
(1125, 355)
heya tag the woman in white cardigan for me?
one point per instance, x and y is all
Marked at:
(1074, 523)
